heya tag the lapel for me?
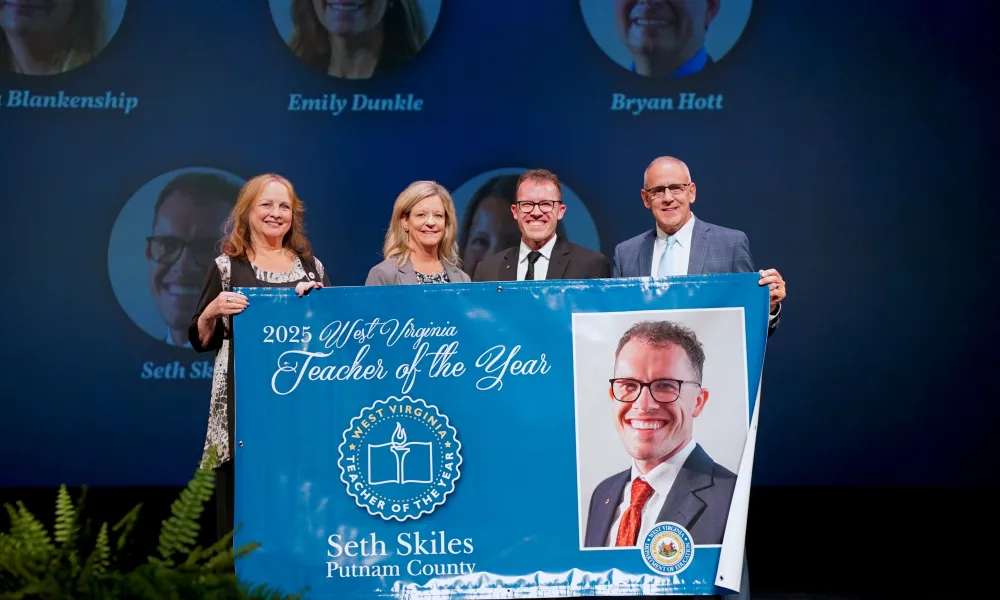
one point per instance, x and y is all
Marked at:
(699, 247)
(682, 504)
(646, 254)
(559, 259)
(455, 274)
(508, 270)
(599, 524)
(406, 273)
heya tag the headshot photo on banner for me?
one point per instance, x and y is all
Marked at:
(691, 426)
(49, 37)
(666, 39)
(355, 40)
(486, 225)
(162, 245)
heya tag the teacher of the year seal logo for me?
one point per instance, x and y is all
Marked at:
(400, 458)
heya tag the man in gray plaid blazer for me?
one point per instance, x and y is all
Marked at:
(680, 244)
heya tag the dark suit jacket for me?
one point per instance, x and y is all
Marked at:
(714, 249)
(698, 501)
(568, 261)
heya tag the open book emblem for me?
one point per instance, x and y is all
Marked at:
(400, 461)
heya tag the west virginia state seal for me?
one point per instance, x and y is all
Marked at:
(668, 549)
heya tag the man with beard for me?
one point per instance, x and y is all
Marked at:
(187, 226)
(542, 254)
(666, 38)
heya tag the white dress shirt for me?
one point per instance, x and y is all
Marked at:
(681, 251)
(661, 479)
(541, 265)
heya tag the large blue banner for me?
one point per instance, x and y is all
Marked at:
(557, 438)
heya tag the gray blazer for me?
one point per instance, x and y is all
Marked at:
(714, 249)
(390, 272)
(699, 501)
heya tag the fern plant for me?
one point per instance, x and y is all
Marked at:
(63, 565)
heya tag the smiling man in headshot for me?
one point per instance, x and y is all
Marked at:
(187, 227)
(656, 394)
(666, 38)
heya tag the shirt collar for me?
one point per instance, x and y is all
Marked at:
(693, 65)
(546, 250)
(662, 476)
(683, 235)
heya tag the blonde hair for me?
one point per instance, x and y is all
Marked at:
(88, 35)
(397, 241)
(237, 241)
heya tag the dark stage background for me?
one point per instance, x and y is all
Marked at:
(851, 140)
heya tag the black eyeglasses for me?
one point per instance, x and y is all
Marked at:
(544, 205)
(166, 249)
(664, 391)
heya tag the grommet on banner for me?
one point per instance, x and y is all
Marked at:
(499, 288)
(241, 444)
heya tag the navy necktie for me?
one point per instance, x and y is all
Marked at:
(533, 257)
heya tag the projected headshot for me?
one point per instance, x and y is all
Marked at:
(48, 37)
(666, 38)
(662, 413)
(355, 39)
(163, 243)
(486, 225)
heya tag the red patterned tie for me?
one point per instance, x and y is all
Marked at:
(628, 529)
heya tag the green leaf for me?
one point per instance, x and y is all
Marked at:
(125, 526)
(67, 524)
(30, 539)
(34, 564)
(100, 558)
(180, 532)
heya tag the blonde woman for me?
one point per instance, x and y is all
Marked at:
(47, 38)
(420, 245)
(265, 246)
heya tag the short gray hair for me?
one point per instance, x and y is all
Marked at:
(666, 160)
